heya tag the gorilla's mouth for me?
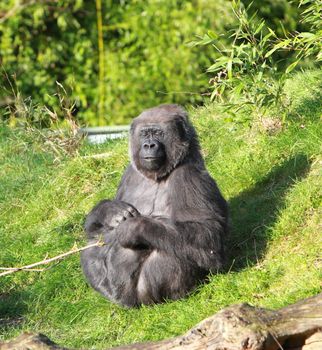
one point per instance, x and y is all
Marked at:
(152, 162)
(158, 159)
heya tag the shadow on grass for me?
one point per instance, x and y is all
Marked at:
(11, 311)
(310, 107)
(255, 211)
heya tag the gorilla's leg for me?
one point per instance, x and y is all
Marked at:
(124, 266)
(93, 262)
(113, 271)
(164, 277)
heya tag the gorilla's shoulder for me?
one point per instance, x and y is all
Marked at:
(193, 179)
(189, 170)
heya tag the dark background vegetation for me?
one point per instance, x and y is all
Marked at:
(144, 58)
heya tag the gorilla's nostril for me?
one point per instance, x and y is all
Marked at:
(149, 145)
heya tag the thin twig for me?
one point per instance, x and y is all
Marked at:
(14, 268)
(48, 261)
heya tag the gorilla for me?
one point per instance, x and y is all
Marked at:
(164, 231)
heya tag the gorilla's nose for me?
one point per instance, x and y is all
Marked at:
(150, 145)
(152, 149)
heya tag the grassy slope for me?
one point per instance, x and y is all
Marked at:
(272, 186)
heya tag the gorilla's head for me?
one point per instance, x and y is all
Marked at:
(161, 139)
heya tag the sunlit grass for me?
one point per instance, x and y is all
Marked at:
(273, 187)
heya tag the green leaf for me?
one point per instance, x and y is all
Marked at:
(239, 88)
(230, 68)
(212, 35)
(291, 66)
(192, 43)
(306, 35)
(213, 95)
(220, 63)
(260, 27)
(272, 32)
(61, 22)
(237, 60)
(266, 37)
(281, 44)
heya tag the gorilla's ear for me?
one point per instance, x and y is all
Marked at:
(182, 128)
(132, 127)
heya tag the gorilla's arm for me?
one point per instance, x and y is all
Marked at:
(190, 241)
(106, 216)
(196, 224)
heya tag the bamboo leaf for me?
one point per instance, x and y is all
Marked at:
(220, 63)
(306, 35)
(291, 66)
(230, 68)
(271, 31)
(260, 27)
(281, 44)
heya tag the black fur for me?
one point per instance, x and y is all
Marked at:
(164, 231)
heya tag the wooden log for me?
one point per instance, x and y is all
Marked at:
(30, 341)
(238, 327)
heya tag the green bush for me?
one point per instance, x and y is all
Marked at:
(256, 63)
(280, 15)
(146, 61)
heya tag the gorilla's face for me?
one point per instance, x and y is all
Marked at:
(160, 140)
(152, 153)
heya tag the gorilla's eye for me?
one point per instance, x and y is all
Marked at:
(144, 133)
(151, 132)
(158, 133)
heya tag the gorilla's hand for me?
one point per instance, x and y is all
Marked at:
(131, 234)
(107, 215)
(140, 233)
(119, 212)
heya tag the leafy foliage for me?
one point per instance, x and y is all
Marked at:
(117, 57)
(249, 68)
(44, 42)
(280, 15)
(308, 43)
(243, 68)
(145, 62)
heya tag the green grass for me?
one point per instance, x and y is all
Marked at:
(273, 187)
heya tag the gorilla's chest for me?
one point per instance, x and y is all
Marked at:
(149, 198)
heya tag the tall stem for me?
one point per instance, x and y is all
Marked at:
(101, 63)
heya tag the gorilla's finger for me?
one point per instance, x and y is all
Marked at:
(133, 212)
